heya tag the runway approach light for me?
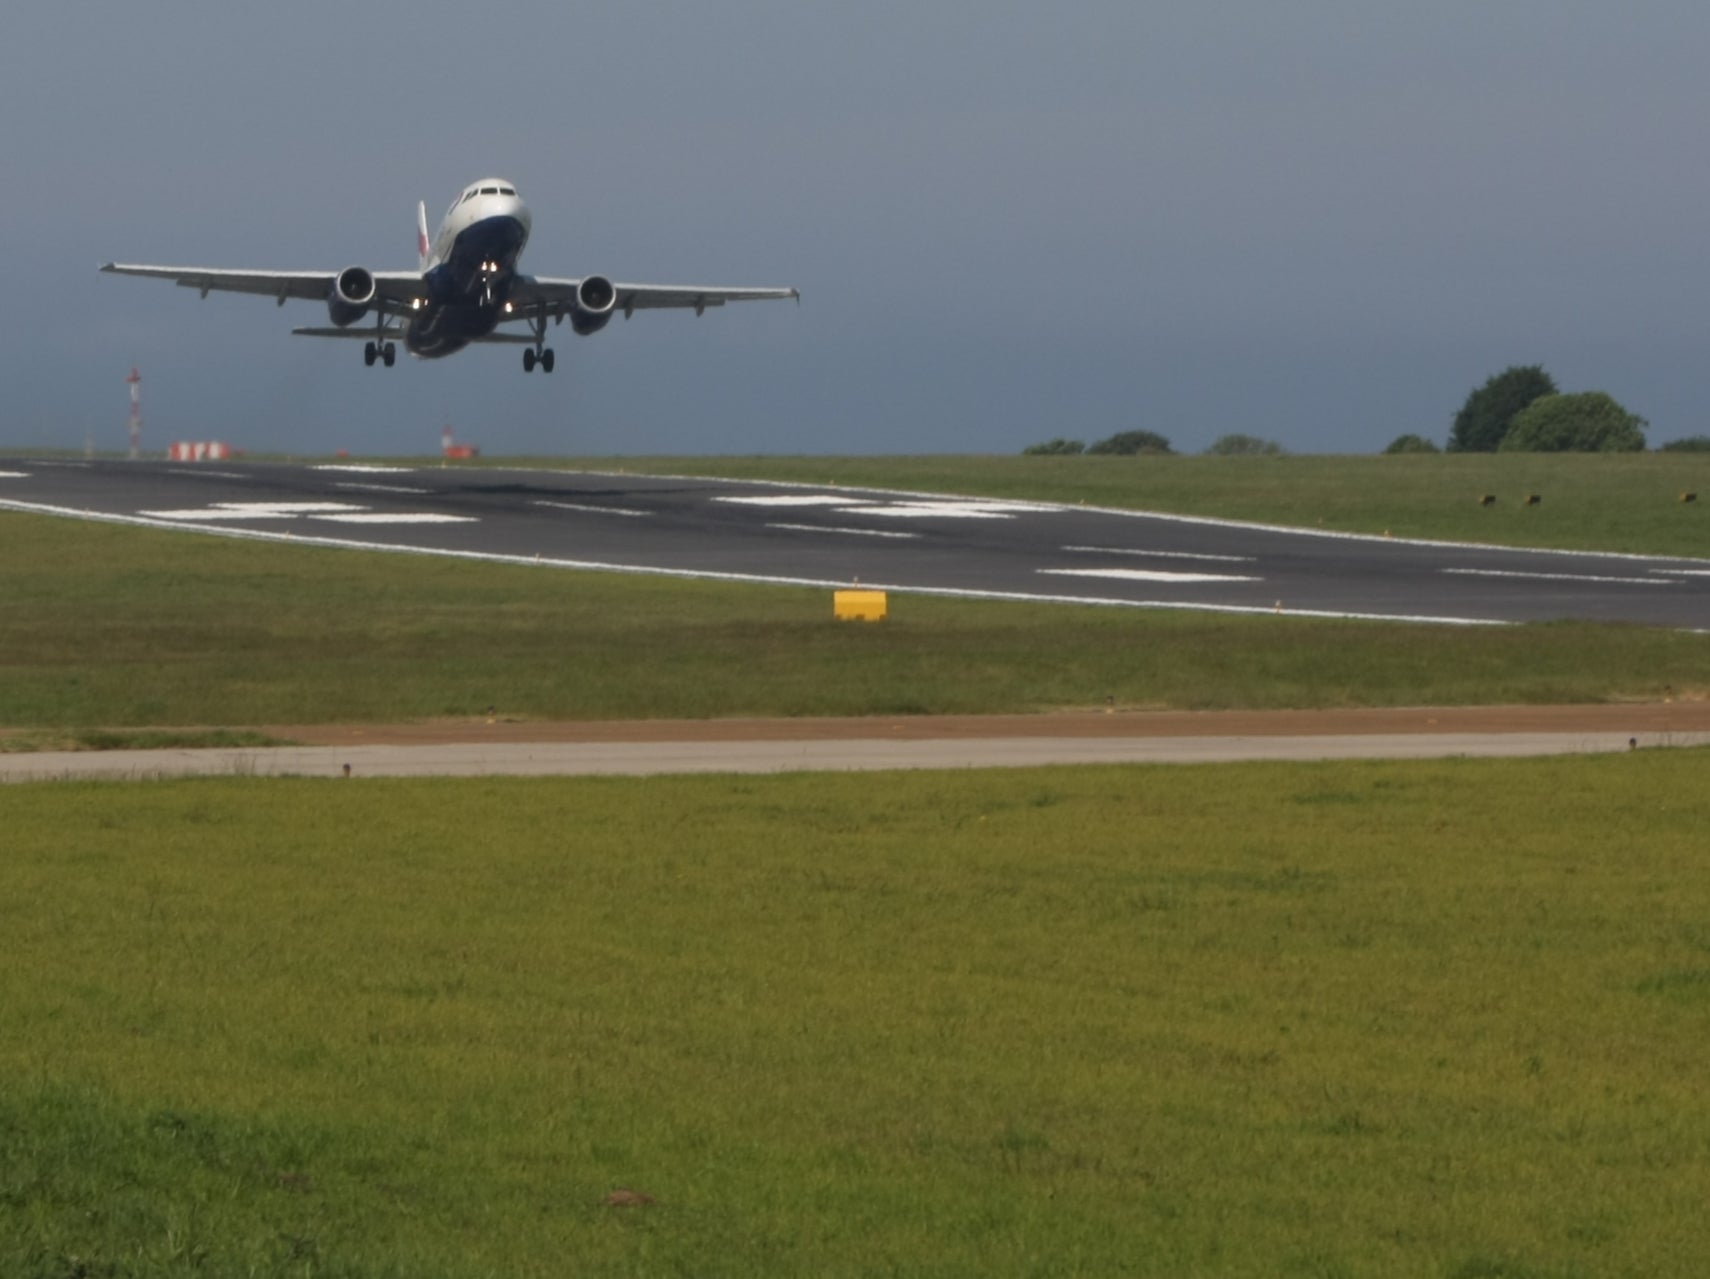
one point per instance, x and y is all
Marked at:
(859, 606)
(1532, 499)
(1489, 499)
(1689, 497)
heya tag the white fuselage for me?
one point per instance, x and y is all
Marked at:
(469, 267)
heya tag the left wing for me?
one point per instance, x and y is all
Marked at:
(393, 290)
(540, 290)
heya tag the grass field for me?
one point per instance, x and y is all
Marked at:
(1441, 1019)
(107, 627)
(1615, 502)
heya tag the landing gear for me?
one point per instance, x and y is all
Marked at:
(386, 352)
(540, 354)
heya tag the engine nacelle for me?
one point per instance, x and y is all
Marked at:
(351, 295)
(592, 306)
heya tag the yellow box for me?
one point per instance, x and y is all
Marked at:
(859, 606)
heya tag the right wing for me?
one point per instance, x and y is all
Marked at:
(393, 290)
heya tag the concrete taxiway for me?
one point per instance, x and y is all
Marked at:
(828, 536)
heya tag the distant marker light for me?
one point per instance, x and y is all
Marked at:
(507, 308)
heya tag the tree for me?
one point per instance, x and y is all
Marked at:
(1052, 447)
(1586, 422)
(1489, 411)
(1128, 442)
(1411, 443)
(1243, 446)
(1691, 444)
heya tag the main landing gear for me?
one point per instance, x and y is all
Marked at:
(386, 352)
(541, 353)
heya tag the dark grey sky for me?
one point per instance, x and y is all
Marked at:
(1318, 222)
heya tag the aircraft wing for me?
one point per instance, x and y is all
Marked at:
(393, 290)
(555, 293)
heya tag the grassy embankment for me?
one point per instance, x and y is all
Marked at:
(1612, 502)
(123, 628)
(1440, 1019)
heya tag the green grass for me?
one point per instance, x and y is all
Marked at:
(1441, 1019)
(1614, 502)
(111, 627)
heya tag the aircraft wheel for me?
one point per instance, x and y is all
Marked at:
(389, 353)
(369, 354)
(528, 360)
(546, 360)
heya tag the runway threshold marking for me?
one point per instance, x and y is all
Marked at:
(591, 509)
(1159, 555)
(1558, 577)
(847, 532)
(1148, 575)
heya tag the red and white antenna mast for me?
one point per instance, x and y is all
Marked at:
(135, 381)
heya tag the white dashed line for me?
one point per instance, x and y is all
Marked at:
(14, 475)
(848, 532)
(397, 517)
(1160, 555)
(364, 469)
(794, 499)
(590, 509)
(1684, 572)
(935, 510)
(1147, 575)
(380, 488)
(1557, 577)
(251, 511)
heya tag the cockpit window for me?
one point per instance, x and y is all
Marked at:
(489, 190)
(507, 190)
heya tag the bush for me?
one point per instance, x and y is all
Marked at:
(1412, 444)
(1490, 411)
(1054, 447)
(1129, 442)
(1586, 422)
(1691, 444)
(1243, 446)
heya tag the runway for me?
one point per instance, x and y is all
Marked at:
(829, 536)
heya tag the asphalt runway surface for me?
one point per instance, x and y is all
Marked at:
(829, 536)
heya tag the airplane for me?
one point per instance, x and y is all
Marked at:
(465, 286)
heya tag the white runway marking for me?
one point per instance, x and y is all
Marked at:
(380, 488)
(1684, 572)
(252, 511)
(794, 499)
(399, 517)
(1557, 577)
(364, 468)
(851, 532)
(1147, 575)
(199, 472)
(13, 475)
(594, 510)
(937, 510)
(1160, 555)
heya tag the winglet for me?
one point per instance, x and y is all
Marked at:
(422, 245)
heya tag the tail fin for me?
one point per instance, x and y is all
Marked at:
(422, 243)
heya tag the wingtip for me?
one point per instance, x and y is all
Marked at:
(109, 266)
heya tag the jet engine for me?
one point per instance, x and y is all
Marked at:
(351, 294)
(592, 305)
